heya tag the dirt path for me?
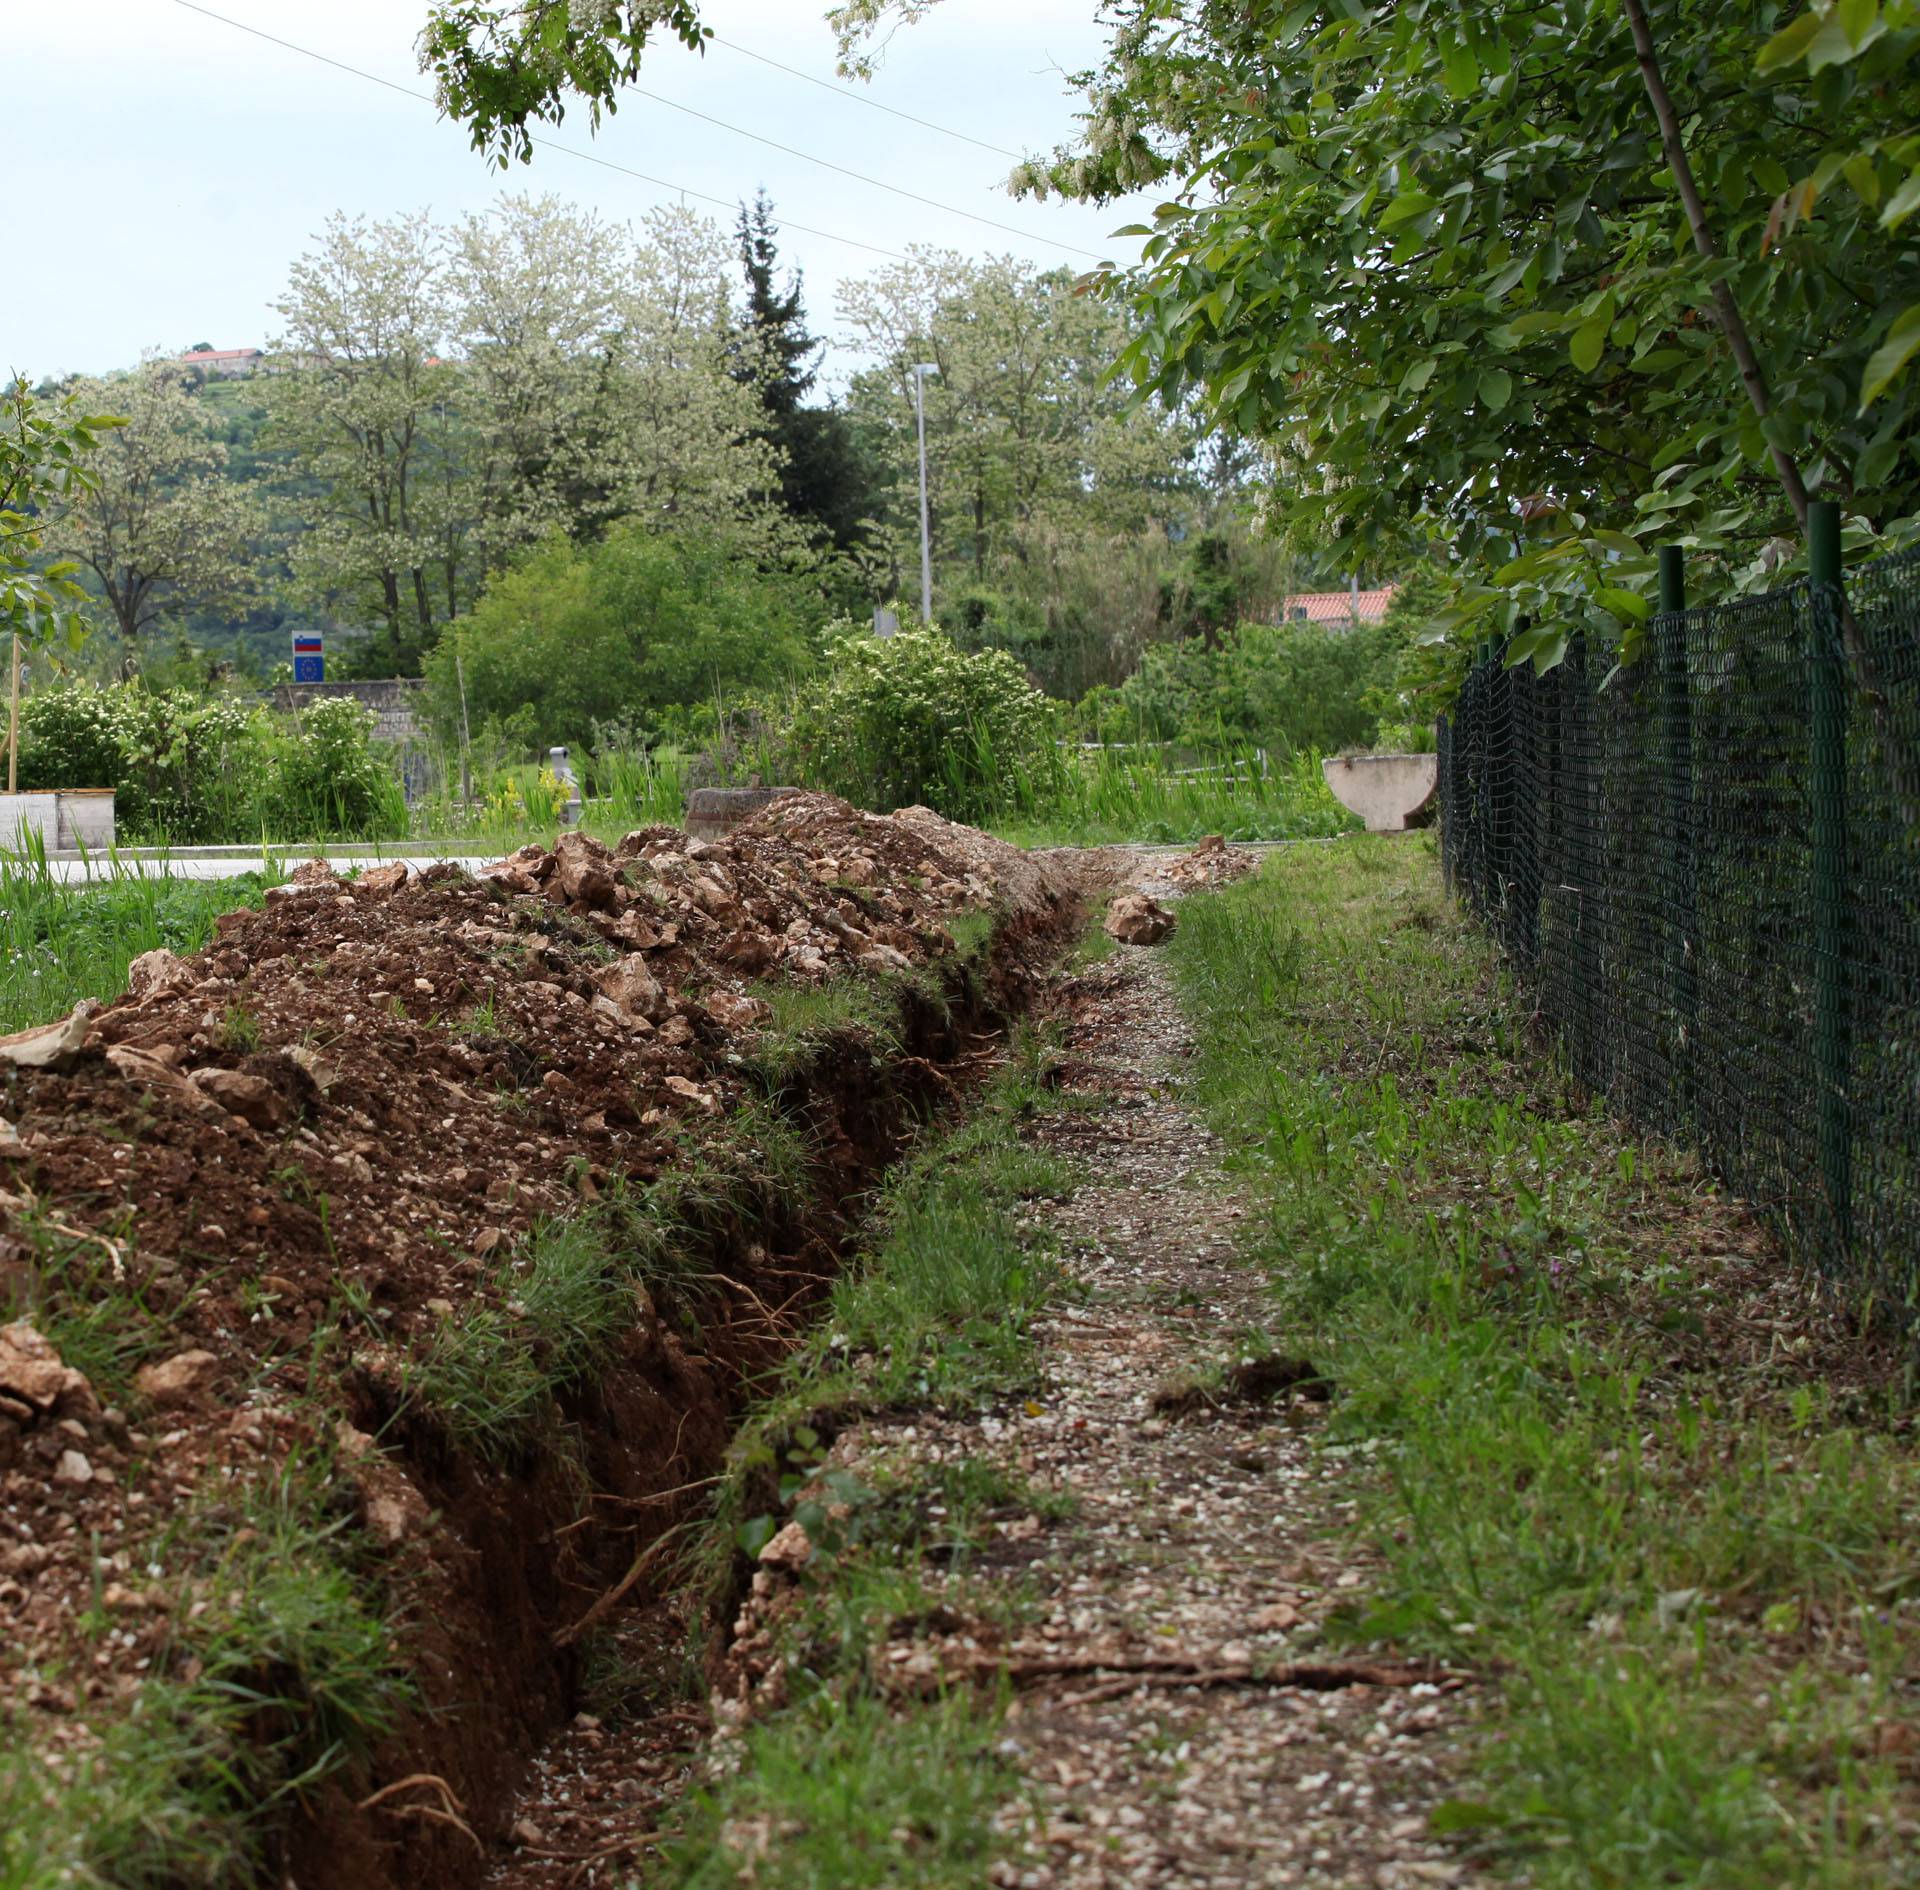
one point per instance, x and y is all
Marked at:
(1196, 1553)
(1209, 1541)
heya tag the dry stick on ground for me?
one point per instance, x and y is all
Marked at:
(1171, 1670)
(619, 1591)
(446, 1812)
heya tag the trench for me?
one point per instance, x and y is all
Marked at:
(495, 1615)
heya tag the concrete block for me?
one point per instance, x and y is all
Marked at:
(22, 815)
(712, 811)
(1386, 791)
(84, 818)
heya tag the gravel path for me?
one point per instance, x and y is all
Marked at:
(1210, 1542)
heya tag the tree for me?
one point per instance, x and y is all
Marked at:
(1541, 283)
(158, 523)
(367, 407)
(693, 447)
(535, 291)
(44, 447)
(576, 636)
(1032, 451)
(499, 64)
(823, 481)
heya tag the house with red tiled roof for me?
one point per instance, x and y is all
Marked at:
(1338, 609)
(223, 363)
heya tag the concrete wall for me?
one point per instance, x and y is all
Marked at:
(391, 701)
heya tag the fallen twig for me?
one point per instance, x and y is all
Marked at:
(446, 1812)
(618, 1592)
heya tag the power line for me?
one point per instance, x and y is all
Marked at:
(853, 97)
(546, 144)
(879, 183)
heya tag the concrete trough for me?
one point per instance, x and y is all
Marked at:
(62, 821)
(713, 811)
(1388, 792)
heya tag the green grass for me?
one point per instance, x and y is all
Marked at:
(60, 943)
(285, 1675)
(99, 1323)
(1109, 796)
(1693, 1591)
(553, 1311)
(803, 1018)
(844, 1786)
(843, 1792)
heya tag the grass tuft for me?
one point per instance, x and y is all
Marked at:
(1691, 1571)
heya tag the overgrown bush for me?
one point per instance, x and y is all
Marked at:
(575, 636)
(1286, 687)
(911, 718)
(192, 770)
(326, 782)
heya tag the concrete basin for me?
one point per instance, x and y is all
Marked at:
(1386, 791)
(711, 811)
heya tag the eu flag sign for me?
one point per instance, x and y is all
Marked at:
(309, 657)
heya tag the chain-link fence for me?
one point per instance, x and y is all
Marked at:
(1707, 871)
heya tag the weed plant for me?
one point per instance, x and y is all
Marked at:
(281, 1676)
(1109, 796)
(845, 1786)
(1695, 1587)
(61, 941)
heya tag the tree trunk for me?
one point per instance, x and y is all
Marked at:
(1725, 309)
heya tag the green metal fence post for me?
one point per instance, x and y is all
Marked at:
(1671, 638)
(1827, 779)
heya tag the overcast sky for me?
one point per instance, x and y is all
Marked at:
(163, 169)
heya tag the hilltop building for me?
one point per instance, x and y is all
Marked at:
(224, 364)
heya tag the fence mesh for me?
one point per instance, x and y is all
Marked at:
(1707, 871)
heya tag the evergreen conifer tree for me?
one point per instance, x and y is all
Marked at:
(824, 480)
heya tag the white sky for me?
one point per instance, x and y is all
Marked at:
(162, 170)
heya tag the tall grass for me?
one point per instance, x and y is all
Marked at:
(1687, 1576)
(1105, 796)
(620, 789)
(63, 941)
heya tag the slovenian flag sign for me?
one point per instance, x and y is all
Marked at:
(306, 643)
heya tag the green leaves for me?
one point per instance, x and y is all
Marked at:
(1405, 207)
(43, 445)
(1891, 357)
(1474, 309)
(1588, 343)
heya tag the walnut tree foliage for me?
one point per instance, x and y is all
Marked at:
(1438, 258)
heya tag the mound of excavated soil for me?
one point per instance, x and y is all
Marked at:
(377, 1086)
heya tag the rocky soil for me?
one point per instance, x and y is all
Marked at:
(278, 1169)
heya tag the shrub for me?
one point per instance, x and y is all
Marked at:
(181, 768)
(192, 771)
(575, 636)
(909, 718)
(1281, 686)
(327, 782)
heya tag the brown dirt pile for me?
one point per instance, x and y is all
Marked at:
(341, 1115)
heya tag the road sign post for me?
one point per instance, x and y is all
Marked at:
(309, 657)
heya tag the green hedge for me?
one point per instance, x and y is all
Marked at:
(188, 770)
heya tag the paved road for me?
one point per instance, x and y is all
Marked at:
(201, 866)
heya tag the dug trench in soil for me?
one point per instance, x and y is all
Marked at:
(1144, 1591)
(281, 1262)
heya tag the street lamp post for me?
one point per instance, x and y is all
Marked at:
(920, 371)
